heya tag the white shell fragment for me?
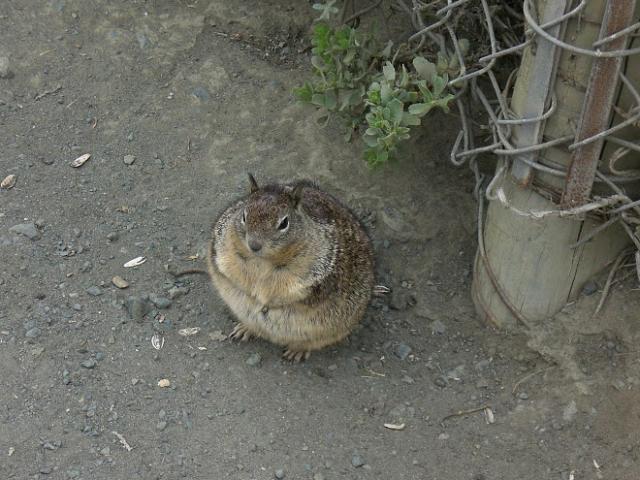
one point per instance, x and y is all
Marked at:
(157, 341)
(135, 262)
(78, 162)
(8, 182)
(187, 332)
(164, 383)
(488, 414)
(394, 426)
(119, 282)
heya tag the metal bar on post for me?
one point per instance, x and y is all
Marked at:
(597, 107)
(538, 83)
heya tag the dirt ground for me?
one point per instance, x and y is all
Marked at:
(199, 93)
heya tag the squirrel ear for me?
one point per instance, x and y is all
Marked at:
(296, 195)
(254, 184)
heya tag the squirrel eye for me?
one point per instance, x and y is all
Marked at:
(284, 224)
(244, 216)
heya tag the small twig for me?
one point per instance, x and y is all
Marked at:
(461, 413)
(47, 92)
(528, 376)
(361, 12)
(123, 441)
(607, 285)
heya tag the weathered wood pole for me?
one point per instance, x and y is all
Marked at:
(525, 269)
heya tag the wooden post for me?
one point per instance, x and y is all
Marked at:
(525, 270)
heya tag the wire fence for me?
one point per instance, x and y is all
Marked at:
(524, 156)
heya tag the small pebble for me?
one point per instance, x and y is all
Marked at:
(440, 382)
(94, 291)
(34, 332)
(99, 356)
(159, 301)
(77, 307)
(402, 351)
(161, 425)
(523, 396)
(357, 461)
(119, 282)
(29, 230)
(105, 452)
(279, 474)
(129, 159)
(590, 288)
(254, 359)
(137, 308)
(438, 327)
(112, 236)
(5, 71)
(90, 363)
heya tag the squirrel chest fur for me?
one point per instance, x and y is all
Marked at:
(294, 265)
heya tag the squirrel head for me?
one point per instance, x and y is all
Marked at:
(271, 222)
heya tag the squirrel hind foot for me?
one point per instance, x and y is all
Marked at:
(295, 356)
(240, 333)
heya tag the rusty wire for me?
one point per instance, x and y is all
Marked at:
(618, 207)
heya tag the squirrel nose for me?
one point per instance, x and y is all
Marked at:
(255, 245)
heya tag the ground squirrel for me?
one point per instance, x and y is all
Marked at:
(294, 265)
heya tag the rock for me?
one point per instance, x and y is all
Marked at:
(201, 93)
(34, 332)
(86, 266)
(408, 380)
(440, 382)
(119, 282)
(438, 327)
(590, 288)
(279, 474)
(569, 412)
(177, 292)
(160, 301)
(137, 307)
(29, 230)
(523, 396)
(143, 40)
(77, 307)
(5, 71)
(112, 236)
(94, 291)
(357, 461)
(90, 363)
(161, 425)
(105, 452)
(99, 356)
(129, 159)
(254, 359)
(402, 351)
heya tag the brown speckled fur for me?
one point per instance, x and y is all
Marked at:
(307, 288)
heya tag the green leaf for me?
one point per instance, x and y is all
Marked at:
(443, 64)
(424, 67)
(327, 9)
(420, 109)
(318, 99)
(409, 119)
(318, 63)
(395, 109)
(439, 84)
(304, 93)
(385, 93)
(330, 100)
(389, 72)
(386, 53)
(463, 43)
(370, 140)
